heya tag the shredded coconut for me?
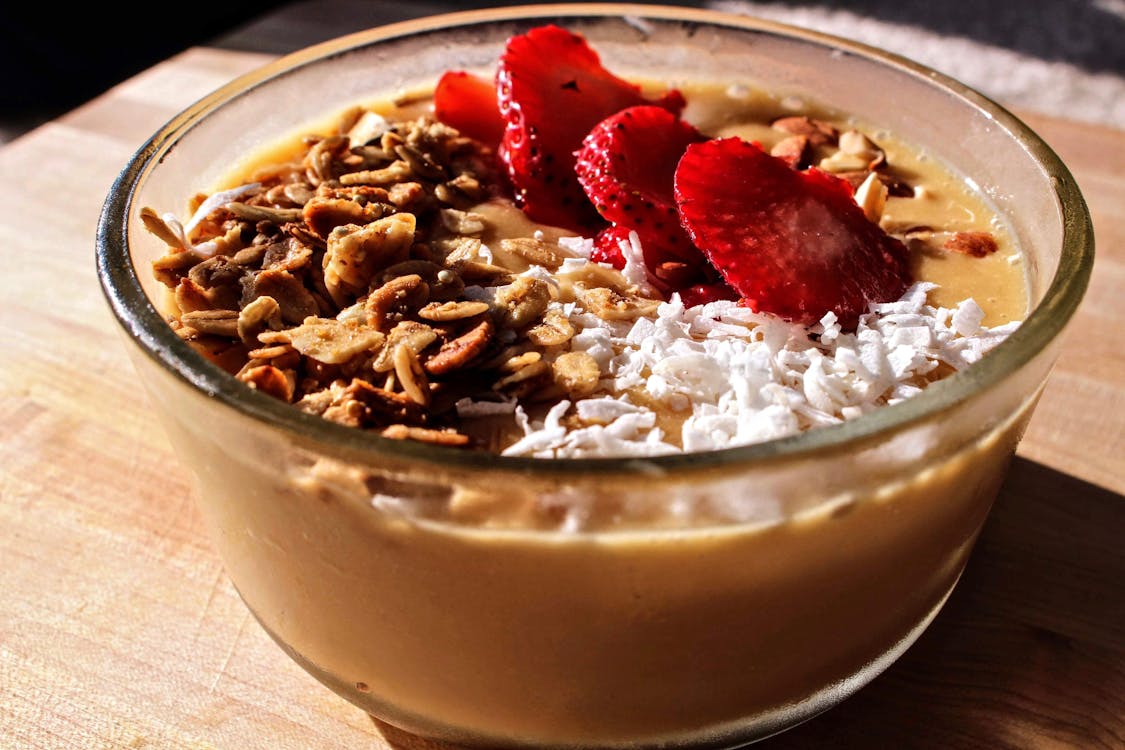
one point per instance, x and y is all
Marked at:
(182, 232)
(726, 376)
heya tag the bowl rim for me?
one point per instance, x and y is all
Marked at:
(143, 322)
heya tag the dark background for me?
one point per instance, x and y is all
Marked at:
(54, 59)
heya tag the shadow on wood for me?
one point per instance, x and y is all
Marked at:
(1028, 646)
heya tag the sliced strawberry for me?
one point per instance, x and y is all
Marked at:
(701, 294)
(794, 244)
(467, 102)
(552, 89)
(627, 166)
(607, 246)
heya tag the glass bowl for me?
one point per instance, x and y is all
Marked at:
(708, 599)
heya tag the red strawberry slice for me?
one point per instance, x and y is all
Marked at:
(607, 246)
(467, 102)
(701, 294)
(794, 244)
(552, 89)
(627, 167)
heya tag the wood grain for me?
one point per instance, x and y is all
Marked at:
(118, 628)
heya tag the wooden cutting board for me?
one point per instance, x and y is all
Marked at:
(118, 628)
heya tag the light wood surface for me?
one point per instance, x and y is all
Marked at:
(119, 629)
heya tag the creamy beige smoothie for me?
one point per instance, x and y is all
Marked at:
(588, 611)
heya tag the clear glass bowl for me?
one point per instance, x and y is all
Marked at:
(711, 599)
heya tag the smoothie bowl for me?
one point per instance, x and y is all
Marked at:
(554, 377)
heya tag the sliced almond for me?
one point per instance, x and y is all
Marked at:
(410, 373)
(872, 197)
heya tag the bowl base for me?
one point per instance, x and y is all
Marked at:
(392, 720)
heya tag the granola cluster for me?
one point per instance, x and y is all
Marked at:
(365, 281)
(353, 284)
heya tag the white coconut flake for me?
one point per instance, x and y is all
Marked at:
(467, 408)
(605, 409)
(218, 200)
(967, 318)
(635, 271)
(734, 377)
(580, 246)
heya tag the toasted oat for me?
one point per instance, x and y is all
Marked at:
(426, 269)
(445, 285)
(522, 376)
(285, 255)
(537, 252)
(286, 275)
(425, 435)
(461, 223)
(577, 373)
(403, 195)
(421, 163)
(155, 224)
(297, 193)
(254, 213)
(522, 302)
(355, 253)
(383, 405)
(500, 360)
(331, 207)
(271, 380)
(554, 330)
(168, 269)
(294, 299)
(321, 160)
(591, 275)
(261, 314)
(411, 333)
(213, 322)
(608, 304)
(190, 297)
(396, 171)
(462, 189)
(455, 251)
(332, 341)
(476, 272)
(251, 256)
(220, 280)
(452, 310)
(517, 360)
(272, 352)
(350, 412)
(305, 236)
